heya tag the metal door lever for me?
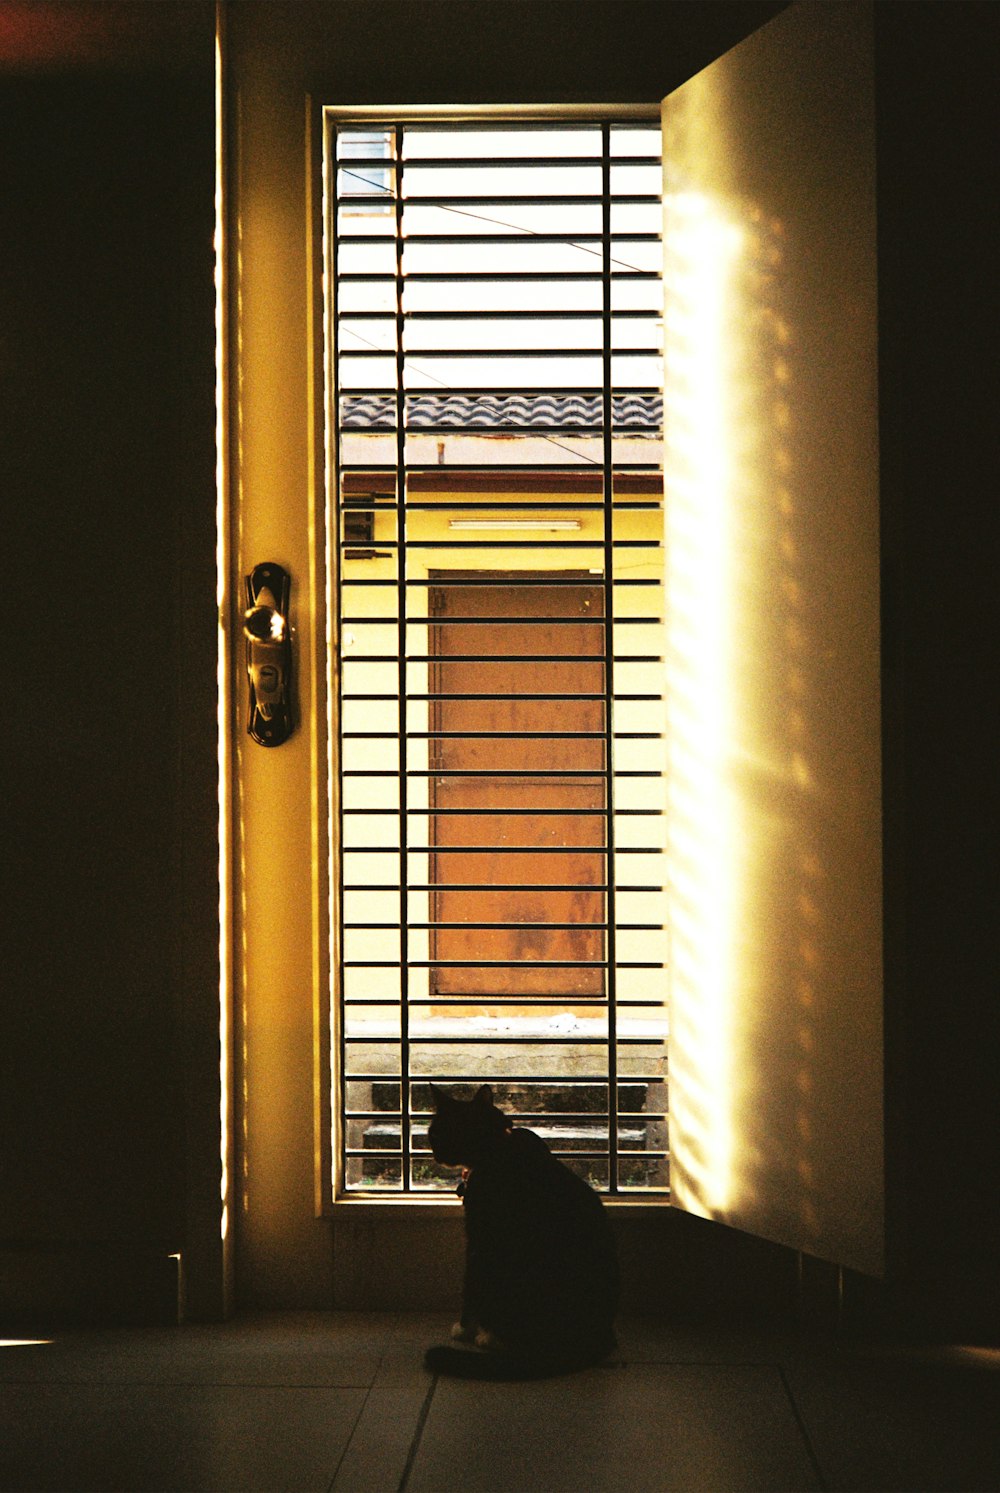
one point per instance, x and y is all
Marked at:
(269, 654)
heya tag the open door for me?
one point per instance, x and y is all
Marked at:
(773, 655)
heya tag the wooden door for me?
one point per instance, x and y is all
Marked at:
(526, 802)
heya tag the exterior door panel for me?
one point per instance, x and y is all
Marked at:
(542, 818)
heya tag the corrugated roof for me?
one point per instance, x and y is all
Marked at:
(638, 413)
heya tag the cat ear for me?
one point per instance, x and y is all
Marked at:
(439, 1096)
(484, 1096)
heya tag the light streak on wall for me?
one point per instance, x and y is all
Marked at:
(702, 251)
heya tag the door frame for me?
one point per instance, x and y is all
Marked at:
(288, 1251)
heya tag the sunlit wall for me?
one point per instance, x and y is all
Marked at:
(773, 638)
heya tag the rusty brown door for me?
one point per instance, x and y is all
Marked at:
(518, 675)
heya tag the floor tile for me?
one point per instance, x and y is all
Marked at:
(379, 1450)
(172, 1438)
(321, 1349)
(680, 1426)
(941, 1420)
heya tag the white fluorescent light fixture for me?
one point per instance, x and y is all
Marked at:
(548, 525)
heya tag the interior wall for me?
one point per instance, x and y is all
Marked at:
(938, 172)
(110, 862)
(107, 435)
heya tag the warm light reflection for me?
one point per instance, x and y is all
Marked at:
(222, 580)
(701, 254)
(24, 1342)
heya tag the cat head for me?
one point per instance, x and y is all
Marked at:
(463, 1130)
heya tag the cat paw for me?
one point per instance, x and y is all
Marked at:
(487, 1340)
(462, 1334)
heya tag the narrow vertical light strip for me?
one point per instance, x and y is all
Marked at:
(222, 600)
(332, 460)
(701, 248)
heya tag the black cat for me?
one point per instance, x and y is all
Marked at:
(541, 1274)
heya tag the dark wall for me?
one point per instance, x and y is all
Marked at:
(109, 955)
(937, 193)
(110, 860)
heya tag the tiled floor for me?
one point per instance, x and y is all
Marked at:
(341, 1402)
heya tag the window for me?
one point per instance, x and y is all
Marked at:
(364, 182)
(495, 316)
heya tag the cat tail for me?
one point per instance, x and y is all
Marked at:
(506, 1365)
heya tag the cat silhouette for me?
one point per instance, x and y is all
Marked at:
(541, 1280)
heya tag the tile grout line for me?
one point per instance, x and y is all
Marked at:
(354, 1428)
(417, 1434)
(807, 1439)
(168, 1384)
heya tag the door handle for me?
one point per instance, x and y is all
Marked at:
(269, 654)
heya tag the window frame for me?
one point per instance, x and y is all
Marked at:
(332, 1195)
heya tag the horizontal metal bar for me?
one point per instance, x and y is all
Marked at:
(506, 277)
(500, 199)
(375, 503)
(491, 886)
(429, 353)
(504, 468)
(369, 659)
(570, 1153)
(516, 927)
(594, 578)
(473, 505)
(504, 850)
(472, 964)
(597, 543)
(475, 926)
(529, 314)
(562, 1079)
(500, 391)
(492, 813)
(470, 426)
(534, 544)
(474, 997)
(501, 775)
(390, 1117)
(484, 886)
(527, 578)
(489, 696)
(596, 774)
(511, 1041)
(478, 850)
(428, 621)
(502, 735)
(474, 239)
(475, 163)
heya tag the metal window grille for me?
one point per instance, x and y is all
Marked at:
(499, 835)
